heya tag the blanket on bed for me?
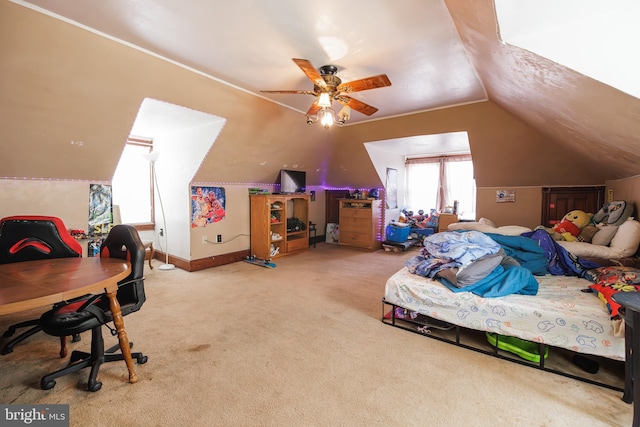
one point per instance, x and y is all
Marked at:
(525, 251)
(471, 261)
(494, 265)
(561, 261)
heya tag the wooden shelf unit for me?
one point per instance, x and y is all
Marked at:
(360, 223)
(269, 214)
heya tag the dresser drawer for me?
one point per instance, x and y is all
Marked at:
(355, 225)
(355, 239)
(297, 244)
(355, 213)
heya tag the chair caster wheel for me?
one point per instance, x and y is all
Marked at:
(48, 385)
(95, 386)
(142, 360)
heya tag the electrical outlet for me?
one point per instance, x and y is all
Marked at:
(219, 238)
(204, 240)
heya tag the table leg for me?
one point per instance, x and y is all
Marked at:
(118, 322)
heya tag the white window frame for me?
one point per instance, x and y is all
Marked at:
(133, 178)
(429, 180)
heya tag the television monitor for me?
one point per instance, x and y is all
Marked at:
(292, 181)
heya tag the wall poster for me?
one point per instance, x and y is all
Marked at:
(208, 205)
(100, 209)
(505, 196)
(392, 188)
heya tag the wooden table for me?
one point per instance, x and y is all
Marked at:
(33, 284)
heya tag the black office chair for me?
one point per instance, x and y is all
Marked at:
(29, 238)
(122, 242)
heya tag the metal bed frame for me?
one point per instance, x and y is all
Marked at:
(454, 334)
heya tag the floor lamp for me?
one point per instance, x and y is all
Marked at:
(152, 157)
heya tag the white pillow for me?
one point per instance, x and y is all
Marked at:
(486, 221)
(604, 235)
(505, 230)
(627, 238)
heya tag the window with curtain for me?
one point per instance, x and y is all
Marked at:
(132, 183)
(436, 182)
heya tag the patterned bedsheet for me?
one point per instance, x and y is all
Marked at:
(559, 315)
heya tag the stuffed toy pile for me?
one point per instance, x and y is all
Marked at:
(598, 228)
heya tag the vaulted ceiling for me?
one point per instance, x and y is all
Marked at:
(438, 54)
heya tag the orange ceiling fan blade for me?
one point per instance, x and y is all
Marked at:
(372, 82)
(309, 70)
(359, 106)
(313, 109)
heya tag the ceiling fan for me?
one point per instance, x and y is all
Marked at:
(328, 87)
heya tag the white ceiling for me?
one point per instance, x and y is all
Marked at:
(250, 44)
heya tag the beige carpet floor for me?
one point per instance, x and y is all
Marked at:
(298, 345)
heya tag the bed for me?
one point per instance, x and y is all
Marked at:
(564, 319)
(560, 314)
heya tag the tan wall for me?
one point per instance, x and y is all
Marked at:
(525, 211)
(505, 150)
(626, 189)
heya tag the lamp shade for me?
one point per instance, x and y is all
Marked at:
(324, 101)
(151, 156)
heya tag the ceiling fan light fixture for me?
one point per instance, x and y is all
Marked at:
(328, 87)
(324, 101)
(344, 114)
(327, 117)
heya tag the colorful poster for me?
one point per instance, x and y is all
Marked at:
(208, 205)
(100, 209)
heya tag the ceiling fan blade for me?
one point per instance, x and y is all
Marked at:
(372, 82)
(359, 106)
(309, 70)
(313, 109)
(290, 92)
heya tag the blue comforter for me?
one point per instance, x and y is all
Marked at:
(503, 280)
(527, 252)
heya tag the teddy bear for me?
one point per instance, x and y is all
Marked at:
(569, 226)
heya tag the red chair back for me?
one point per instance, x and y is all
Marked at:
(33, 237)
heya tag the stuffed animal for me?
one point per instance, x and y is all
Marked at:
(607, 220)
(569, 227)
(613, 213)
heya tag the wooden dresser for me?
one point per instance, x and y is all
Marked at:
(445, 220)
(360, 223)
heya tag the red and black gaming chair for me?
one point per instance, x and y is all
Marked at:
(29, 238)
(94, 312)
